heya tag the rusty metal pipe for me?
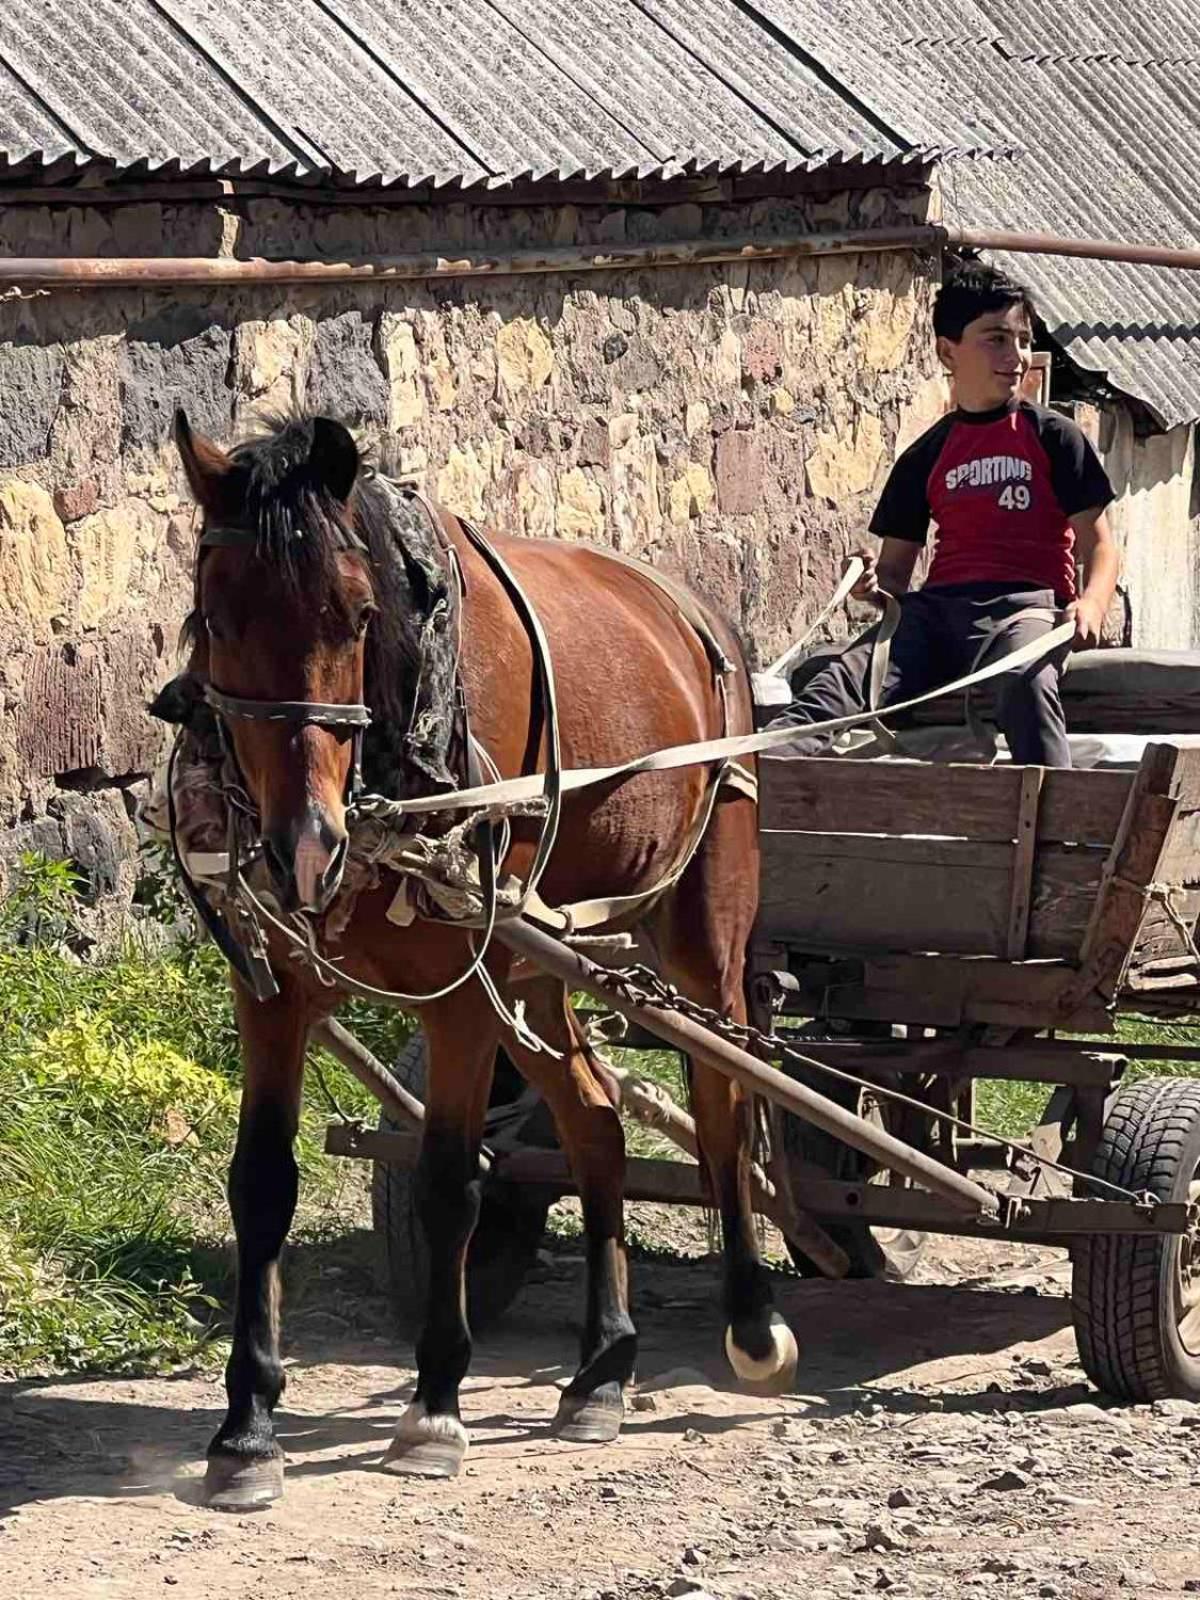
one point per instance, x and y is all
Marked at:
(580, 973)
(1049, 244)
(117, 272)
(123, 272)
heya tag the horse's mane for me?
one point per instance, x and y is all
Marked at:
(300, 528)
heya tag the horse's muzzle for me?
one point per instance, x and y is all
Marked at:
(306, 859)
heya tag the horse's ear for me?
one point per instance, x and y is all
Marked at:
(333, 458)
(205, 463)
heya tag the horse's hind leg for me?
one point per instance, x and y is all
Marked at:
(462, 1033)
(702, 934)
(245, 1464)
(592, 1405)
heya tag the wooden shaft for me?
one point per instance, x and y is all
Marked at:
(370, 1072)
(688, 1036)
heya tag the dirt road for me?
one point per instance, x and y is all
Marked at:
(943, 1445)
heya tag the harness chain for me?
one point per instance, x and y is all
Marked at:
(641, 985)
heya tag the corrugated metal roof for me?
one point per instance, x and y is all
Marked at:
(1100, 96)
(426, 91)
(120, 81)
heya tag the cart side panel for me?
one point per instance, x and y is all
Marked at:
(933, 862)
(830, 891)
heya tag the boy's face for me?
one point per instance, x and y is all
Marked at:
(988, 363)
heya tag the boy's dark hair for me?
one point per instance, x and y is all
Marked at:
(972, 291)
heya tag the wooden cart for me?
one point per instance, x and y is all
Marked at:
(922, 928)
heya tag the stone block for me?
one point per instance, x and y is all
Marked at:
(31, 381)
(115, 552)
(77, 500)
(269, 360)
(579, 513)
(463, 481)
(343, 379)
(739, 472)
(36, 577)
(177, 357)
(524, 357)
(845, 463)
(528, 507)
(691, 494)
(402, 362)
(696, 418)
(633, 474)
(762, 351)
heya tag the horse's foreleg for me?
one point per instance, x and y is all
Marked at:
(462, 1035)
(245, 1464)
(593, 1404)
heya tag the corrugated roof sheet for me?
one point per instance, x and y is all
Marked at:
(421, 91)
(1100, 97)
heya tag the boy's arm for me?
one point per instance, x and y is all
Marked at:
(1097, 549)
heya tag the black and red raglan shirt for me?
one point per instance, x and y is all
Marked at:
(1000, 486)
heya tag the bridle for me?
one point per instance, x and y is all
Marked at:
(354, 716)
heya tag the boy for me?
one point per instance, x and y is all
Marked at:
(1018, 496)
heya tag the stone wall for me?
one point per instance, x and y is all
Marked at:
(730, 422)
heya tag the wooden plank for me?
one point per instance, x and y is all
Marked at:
(822, 795)
(945, 991)
(1185, 783)
(1132, 865)
(953, 896)
(1021, 899)
(1180, 863)
(942, 1058)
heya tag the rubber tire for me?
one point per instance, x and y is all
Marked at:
(1123, 1287)
(872, 1253)
(504, 1246)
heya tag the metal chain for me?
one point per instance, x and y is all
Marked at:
(641, 985)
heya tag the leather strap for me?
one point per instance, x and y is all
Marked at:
(330, 715)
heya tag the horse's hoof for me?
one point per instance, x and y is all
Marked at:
(234, 1484)
(425, 1446)
(588, 1419)
(776, 1369)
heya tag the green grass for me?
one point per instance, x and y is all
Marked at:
(118, 1109)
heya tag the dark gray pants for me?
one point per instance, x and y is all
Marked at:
(938, 637)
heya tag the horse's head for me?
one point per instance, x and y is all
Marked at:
(283, 596)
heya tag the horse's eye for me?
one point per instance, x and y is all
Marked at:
(363, 618)
(212, 627)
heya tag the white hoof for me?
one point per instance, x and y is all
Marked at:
(778, 1366)
(425, 1446)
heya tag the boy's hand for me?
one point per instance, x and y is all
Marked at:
(867, 587)
(1088, 616)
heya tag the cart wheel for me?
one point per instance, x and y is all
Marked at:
(1136, 1298)
(504, 1245)
(891, 1253)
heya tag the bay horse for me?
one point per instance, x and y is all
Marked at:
(308, 594)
